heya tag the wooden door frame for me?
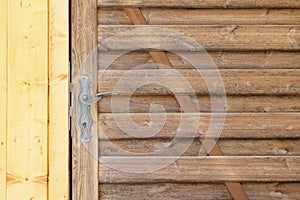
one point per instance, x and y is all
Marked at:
(83, 45)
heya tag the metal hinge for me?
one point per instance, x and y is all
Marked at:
(71, 98)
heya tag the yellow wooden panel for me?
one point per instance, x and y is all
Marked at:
(27, 127)
(3, 86)
(58, 101)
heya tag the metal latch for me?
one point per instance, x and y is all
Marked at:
(85, 101)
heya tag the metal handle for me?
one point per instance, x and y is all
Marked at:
(85, 101)
(85, 98)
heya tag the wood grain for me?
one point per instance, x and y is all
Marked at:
(211, 38)
(206, 169)
(236, 125)
(112, 16)
(137, 18)
(84, 62)
(223, 60)
(258, 82)
(267, 127)
(234, 104)
(59, 101)
(3, 95)
(196, 191)
(27, 103)
(201, 3)
(236, 147)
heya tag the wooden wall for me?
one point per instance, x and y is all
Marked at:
(255, 45)
(34, 71)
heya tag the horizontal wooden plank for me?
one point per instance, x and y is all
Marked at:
(201, 3)
(197, 191)
(204, 16)
(217, 38)
(223, 60)
(234, 104)
(229, 147)
(203, 169)
(239, 125)
(256, 82)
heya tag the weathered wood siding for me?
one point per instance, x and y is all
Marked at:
(84, 62)
(255, 44)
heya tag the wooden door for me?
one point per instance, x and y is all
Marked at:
(244, 74)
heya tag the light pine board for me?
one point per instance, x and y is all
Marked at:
(3, 95)
(27, 148)
(58, 100)
(35, 142)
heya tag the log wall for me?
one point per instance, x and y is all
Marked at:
(255, 45)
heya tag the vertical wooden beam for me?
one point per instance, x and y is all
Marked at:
(27, 127)
(84, 62)
(3, 92)
(58, 100)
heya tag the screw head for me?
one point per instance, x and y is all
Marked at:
(85, 97)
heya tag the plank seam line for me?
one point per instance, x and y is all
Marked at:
(6, 98)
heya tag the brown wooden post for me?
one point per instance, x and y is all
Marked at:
(84, 62)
